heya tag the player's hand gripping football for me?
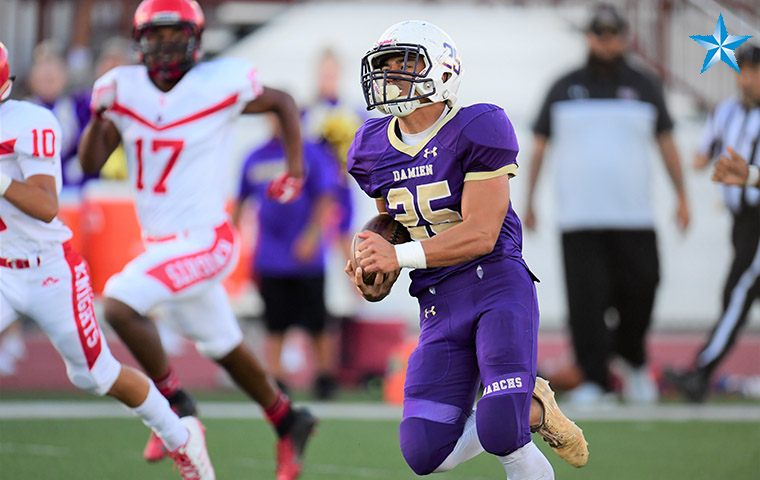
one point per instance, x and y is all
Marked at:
(375, 254)
(378, 290)
(103, 99)
(285, 188)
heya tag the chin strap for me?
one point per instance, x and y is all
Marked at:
(5, 89)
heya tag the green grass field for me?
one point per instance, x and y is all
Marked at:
(354, 450)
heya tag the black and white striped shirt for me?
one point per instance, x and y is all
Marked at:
(734, 125)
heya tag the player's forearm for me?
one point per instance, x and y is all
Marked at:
(290, 122)
(536, 162)
(314, 231)
(460, 244)
(33, 200)
(237, 212)
(93, 148)
(672, 163)
(321, 216)
(484, 206)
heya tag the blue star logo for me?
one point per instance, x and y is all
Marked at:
(720, 46)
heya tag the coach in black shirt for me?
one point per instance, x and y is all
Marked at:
(600, 121)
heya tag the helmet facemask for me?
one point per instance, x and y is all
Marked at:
(397, 92)
(169, 60)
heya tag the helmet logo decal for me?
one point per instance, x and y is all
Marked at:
(454, 63)
(165, 16)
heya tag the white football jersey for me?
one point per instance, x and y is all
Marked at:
(177, 142)
(30, 144)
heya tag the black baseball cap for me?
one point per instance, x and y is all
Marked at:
(605, 18)
(748, 55)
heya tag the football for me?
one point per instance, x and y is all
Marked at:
(386, 227)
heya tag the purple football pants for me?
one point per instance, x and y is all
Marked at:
(477, 327)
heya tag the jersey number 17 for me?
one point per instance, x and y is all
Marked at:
(157, 144)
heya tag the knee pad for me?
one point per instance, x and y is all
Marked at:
(504, 422)
(85, 381)
(220, 346)
(426, 444)
(99, 379)
(131, 290)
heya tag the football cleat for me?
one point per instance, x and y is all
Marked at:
(325, 387)
(291, 446)
(589, 395)
(154, 450)
(191, 459)
(638, 385)
(561, 433)
(691, 384)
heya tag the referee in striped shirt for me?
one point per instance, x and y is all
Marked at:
(733, 131)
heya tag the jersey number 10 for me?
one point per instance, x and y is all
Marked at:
(157, 144)
(43, 143)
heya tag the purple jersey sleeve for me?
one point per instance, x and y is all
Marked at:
(364, 152)
(356, 165)
(489, 146)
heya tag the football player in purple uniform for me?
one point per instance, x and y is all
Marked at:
(443, 171)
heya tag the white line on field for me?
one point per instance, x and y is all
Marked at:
(13, 410)
(34, 449)
(324, 470)
(329, 470)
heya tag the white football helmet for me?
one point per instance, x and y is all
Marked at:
(417, 41)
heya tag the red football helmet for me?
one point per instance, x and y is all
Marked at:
(6, 81)
(168, 59)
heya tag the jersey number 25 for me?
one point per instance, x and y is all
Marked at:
(435, 221)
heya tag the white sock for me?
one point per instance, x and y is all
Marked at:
(159, 417)
(468, 446)
(527, 463)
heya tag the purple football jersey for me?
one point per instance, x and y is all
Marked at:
(280, 225)
(422, 184)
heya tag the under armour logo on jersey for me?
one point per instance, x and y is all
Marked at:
(430, 311)
(49, 281)
(431, 151)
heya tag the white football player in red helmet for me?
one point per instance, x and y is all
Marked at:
(40, 275)
(175, 116)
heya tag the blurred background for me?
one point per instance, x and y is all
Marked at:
(512, 51)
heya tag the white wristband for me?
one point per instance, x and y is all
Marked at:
(753, 177)
(411, 255)
(5, 182)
